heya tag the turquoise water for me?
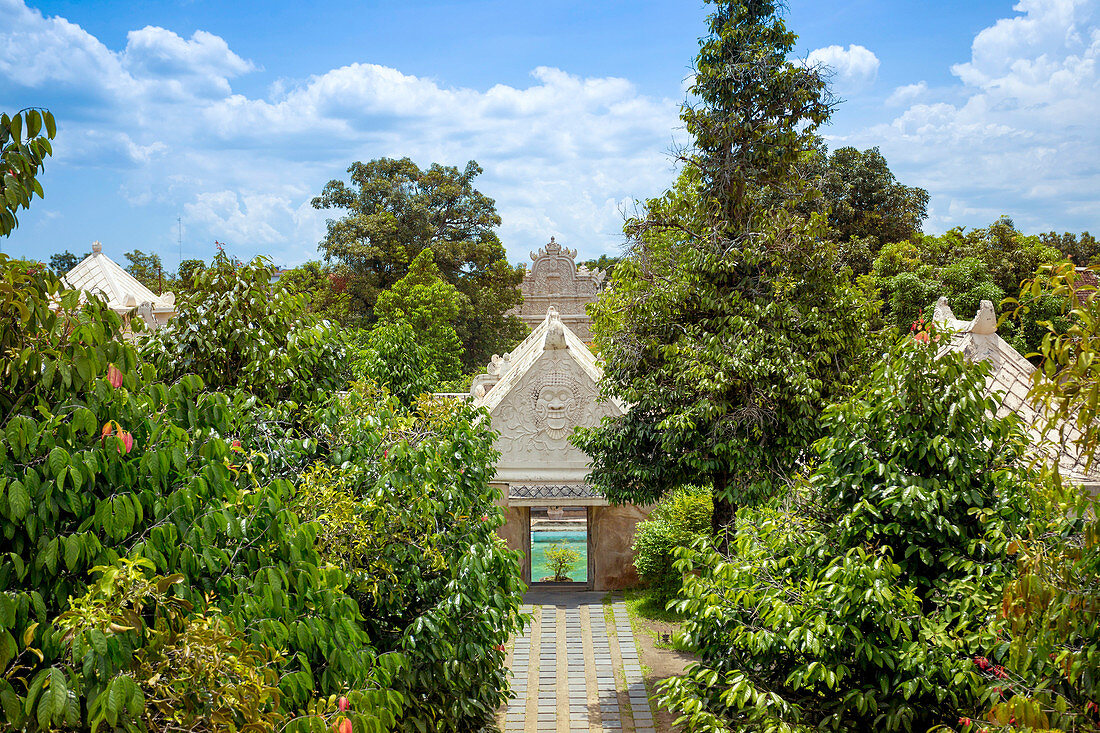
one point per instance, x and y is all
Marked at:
(577, 540)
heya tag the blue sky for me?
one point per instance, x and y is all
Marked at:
(231, 116)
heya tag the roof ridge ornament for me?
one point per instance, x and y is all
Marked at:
(943, 312)
(97, 247)
(985, 322)
(555, 331)
(553, 249)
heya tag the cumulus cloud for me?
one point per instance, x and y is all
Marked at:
(907, 94)
(562, 155)
(853, 68)
(1018, 135)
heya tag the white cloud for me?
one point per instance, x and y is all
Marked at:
(560, 154)
(1019, 136)
(907, 94)
(853, 68)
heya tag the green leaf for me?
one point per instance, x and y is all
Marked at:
(58, 461)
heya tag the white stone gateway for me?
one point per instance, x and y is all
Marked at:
(555, 281)
(536, 396)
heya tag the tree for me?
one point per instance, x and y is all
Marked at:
(603, 262)
(235, 330)
(430, 305)
(394, 211)
(324, 288)
(728, 326)
(393, 358)
(863, 199)
(186, 269)
(23, 152)
(147, 270)
(864, 600)
(62, 262)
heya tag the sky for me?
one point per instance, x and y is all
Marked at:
(182, 122)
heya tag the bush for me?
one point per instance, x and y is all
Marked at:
(677, 521)
(864, 601)
(407, 512)
(235, 330)
(188, 505)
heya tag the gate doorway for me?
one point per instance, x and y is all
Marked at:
(560, 533)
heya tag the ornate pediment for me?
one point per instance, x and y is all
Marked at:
(554, 280)
(548, 389)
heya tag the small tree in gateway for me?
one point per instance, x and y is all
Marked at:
(561, 558)
(728, 326)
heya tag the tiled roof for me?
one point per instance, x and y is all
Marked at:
(1009, 381)
(98, 273)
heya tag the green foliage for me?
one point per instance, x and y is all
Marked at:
(186, 269)
(395, 211)
(432, 579)
(235, 330)
(865, 201)
(561, 558)
(864, 600)
(604, 262)
(729, 324)
(677, 521)
(205, 566)
(324, 288)
(394, 358)
(24, 146)
(430, 305)
(148, 270)
(968, 267)
(62, 262)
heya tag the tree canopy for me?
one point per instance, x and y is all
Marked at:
(393, 211)
(728, 325)
(62, 262)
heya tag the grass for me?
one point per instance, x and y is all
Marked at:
(642, 605)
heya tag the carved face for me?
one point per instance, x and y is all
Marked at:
(554, 408)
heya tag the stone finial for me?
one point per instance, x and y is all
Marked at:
(494, 365)
(555, 331)
(96, 247)
(943, 312)
(985, 322)
(129, 300)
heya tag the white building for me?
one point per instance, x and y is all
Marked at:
(101, 275)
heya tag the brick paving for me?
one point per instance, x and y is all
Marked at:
(576, 668)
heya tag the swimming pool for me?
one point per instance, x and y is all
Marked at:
(575, 539)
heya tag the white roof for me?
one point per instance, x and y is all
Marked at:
(98, 273)
(536, 395)
(1009, 382)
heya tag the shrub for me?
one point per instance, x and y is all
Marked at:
(184, 501)
(235, 330)
(677, 521)
(863, 606)
(394, 359)
(406, 510)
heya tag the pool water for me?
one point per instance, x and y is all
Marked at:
(540, 541)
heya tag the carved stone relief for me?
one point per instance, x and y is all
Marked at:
(555, 280)
(536, 419)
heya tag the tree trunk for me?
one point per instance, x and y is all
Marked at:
(722, 516)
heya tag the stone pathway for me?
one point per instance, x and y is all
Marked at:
(576, 669)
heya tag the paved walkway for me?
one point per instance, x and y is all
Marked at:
(576, 669)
